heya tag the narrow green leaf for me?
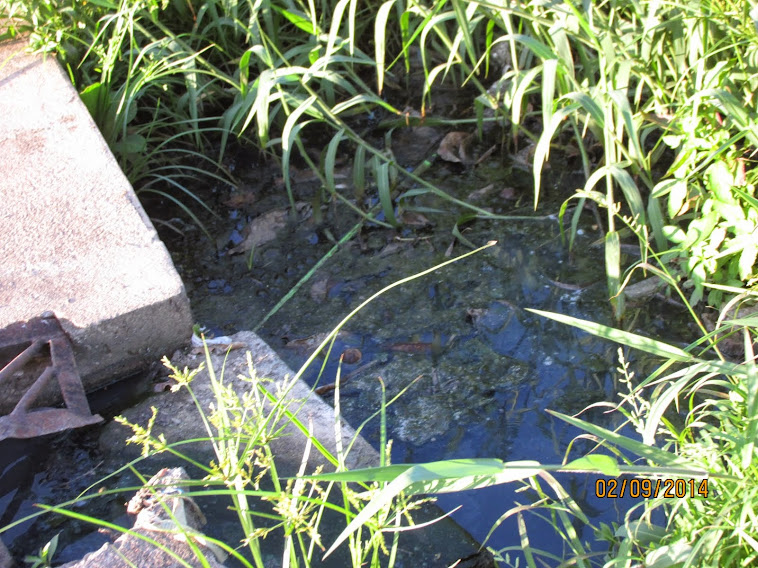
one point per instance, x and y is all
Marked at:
(442, 476)
(651, 453)
(660, 406)
(464, 21)
(380, 41)
(382, 175)
(330, 159)
(543, 147)
(613, 271)
(549, 68)
(640, 342)
(299, 19)
(646, 344)
(359, 174)
(594, 463)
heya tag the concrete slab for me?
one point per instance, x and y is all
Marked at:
(75, 240)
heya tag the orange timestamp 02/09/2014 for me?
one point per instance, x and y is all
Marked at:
(678, 488)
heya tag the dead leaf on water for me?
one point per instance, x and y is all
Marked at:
(524, 157)
(508, 192)
(478, 194)
(240, 198)
(351, 356)
(264, 228)
(392, 248)
(319, 290)
(457, 147)
(413, 219)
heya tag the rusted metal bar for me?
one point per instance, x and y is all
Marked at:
(28, 422)
(21, 359)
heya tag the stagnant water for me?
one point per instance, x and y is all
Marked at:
(481, 369)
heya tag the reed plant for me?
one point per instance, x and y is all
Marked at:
(655, 100)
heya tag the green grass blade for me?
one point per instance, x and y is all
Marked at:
(380, 41)
(542, 150)
(613, 271)
(330, 159)
(640, 342)
(382, 176)
(646, 344)
(651, 453)
(442, 476)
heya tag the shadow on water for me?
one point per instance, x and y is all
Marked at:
(479, 370)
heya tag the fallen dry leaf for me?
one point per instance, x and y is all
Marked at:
(319, 290)
(508, 192)
(480, 193)
(523, 158)
(240, 199)
(457, 147)
(264, 228)
(351, 356)
(414, 220)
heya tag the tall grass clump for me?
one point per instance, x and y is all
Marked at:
(654, 99)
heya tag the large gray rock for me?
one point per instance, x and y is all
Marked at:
(75, 239)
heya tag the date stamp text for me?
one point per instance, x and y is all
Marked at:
(651, 488)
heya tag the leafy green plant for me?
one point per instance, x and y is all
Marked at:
(711, 436)
(656, 100)
(45, 557)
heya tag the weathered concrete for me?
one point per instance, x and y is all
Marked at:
(75, 239)
(178, 419)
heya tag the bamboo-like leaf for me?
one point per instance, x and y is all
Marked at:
(434, 477)
(562, 47)
(619, 98)
(299, 19)
(659, 407)
(613, 271)
(651, 453)
(464, 20)
(640, 342)
(289, 133)
(646, 344)
(657, 222)
(589, 105)
(594, 463)
(523, 82)
(549, 69)
(359, 174)
(627, 185)
(543, 147)
(380, 42)
(334, 29)
(330, 159)
(382, 176)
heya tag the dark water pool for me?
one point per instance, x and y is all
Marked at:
(479, 369)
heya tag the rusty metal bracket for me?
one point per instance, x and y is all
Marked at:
(25, 421)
